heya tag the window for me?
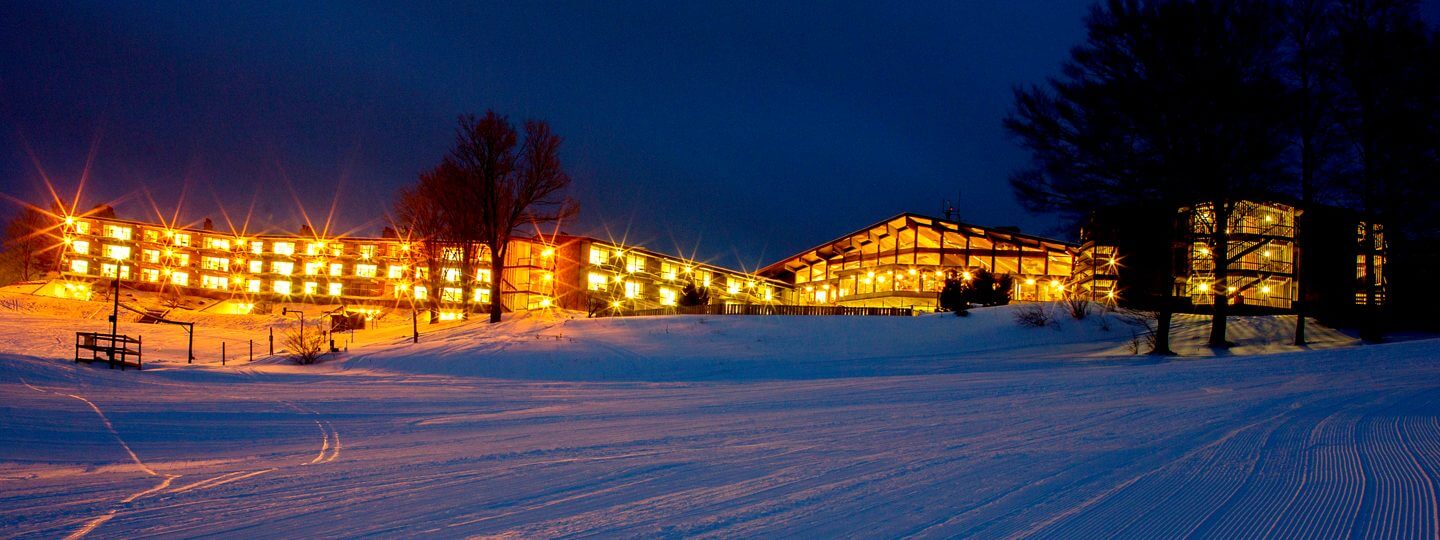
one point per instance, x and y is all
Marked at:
(314, 248)
(311, 287)
(257, 247)
(314, 267)
(150, 256)
(482, 276)
(336, 269)
(181, 239)
(667, 296)
(367, 252)
(150, 274)
(118, 232)
(283, 268)
(152, 235)
(212, 282)
(215, 263)
(117, 252)
(281, 287)
(598, 281)
(421, 293)
(451, 294)
(82, 247)
(634, 263)
(452, 253)
(395, 271)
(257, 266)
(217, 243)
(82, 227)
(451, 275)
(365, 270)
(481, 295)
(597, 256)
(182, 259)
(733, 286)
(337, 249)
(80, 266)
(283, 248)
(632, 289)
(252, 285)
(333, 288)
(180, 278)
(669, 271)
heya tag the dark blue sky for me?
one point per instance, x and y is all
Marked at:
(748, 131)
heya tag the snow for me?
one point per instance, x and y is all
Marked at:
(553, 425)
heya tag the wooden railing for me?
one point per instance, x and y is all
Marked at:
(761, 309)
(105, 347)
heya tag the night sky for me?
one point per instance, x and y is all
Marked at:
(738, 132)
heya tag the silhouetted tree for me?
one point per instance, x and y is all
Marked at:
(420, 213)
(694, 295)
(30, 242)
(1165, 103)
(509, 182)
(953, 298)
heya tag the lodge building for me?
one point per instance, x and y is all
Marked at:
(899, 262)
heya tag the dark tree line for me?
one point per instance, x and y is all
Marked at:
(494, 181)
(1212, 102)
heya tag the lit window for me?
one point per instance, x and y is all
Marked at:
(117, 252)
(118, 232)
(421, 293)
(82, 247)
(597, 256)
(215, 263)
(257, 247)
(333, 289)
(182, 239)
(150, 274)
(283, 268)
(180, 278)
(257, 266)
(313, 267)
(365, 270)
(82, 227)
(451, 275)
(283, 248)
(336, 269)
(669, 271)
(150, 255)
(482, 276)
(667, 296)
(451, 294)
(212, 282)
(281, 287)
(634, 263)
(733, 286)
(252, 285)
(337, 249)
(311, 287)
(367, 252)
(217, 243)
(395, 271)
(481, 295)
(314, 248)
(769, 294)
(80, 266)
(632, 289)
(182, 259)
(598, 281)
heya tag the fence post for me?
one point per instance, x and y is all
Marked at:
(252, 350)
(272, 341)
(222, 353)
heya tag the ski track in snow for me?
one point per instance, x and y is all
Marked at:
(646, 441)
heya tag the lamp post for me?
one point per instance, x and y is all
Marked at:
(115, 312)
(287, 311)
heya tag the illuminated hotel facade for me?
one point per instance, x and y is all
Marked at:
(900, 262)
(253, 272)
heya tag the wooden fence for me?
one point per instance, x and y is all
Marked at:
(760, 309)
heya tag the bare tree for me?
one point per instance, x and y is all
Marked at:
(420, 211)
(30, 242)
(508, 183)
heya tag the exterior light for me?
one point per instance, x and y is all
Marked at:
(870, 274)
(615, 304)
(69, 220)
(913, 271)
(1230, 289)
(1265, 289)
(544, 302)
(881, 279)
(1203, 287)
(939, 273)
(966, 275)
(548, 252)
(809, 288)
(1265, 254)
(1112, 261)
(1029, 281)
(1055, 283)
(1110, 294)
(1269, 217)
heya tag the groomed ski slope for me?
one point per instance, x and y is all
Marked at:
(734, 427)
